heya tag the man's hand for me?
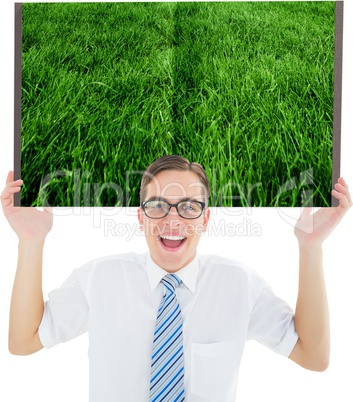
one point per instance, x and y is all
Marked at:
(312, 229)
(29, 223)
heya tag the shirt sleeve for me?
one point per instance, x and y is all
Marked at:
(65, 313)
(272, 322)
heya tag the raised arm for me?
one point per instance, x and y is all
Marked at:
(312, 350)
(26, 311)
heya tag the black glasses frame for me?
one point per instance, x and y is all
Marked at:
(203, 205)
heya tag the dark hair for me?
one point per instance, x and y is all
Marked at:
(173, 162)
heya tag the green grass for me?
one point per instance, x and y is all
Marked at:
(244, 88)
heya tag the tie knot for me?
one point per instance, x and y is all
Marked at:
(171, 282)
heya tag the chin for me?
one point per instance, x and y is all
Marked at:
(172, 256)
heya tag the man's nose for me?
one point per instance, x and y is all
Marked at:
(173, 218)
(173, 211)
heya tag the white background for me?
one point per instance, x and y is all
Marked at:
(81, 234)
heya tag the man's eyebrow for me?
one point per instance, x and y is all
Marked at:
(158, 198)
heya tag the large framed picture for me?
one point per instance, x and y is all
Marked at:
(251, 90)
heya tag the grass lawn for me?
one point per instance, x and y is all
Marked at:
(244, 88)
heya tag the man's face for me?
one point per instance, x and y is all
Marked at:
(172, 240)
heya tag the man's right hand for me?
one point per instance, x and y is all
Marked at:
(29, 223)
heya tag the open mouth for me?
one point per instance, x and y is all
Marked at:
(172, 242)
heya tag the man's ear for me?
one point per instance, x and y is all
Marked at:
(140, 217)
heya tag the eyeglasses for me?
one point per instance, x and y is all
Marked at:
(187, 209)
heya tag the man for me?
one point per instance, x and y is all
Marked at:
(170, 325)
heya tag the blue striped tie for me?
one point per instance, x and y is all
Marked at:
(167, 366)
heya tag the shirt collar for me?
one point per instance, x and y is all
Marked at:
(188, 274)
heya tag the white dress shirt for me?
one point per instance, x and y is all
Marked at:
(116, 299)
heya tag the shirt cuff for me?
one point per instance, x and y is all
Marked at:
(44, 331)
(288, 342)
